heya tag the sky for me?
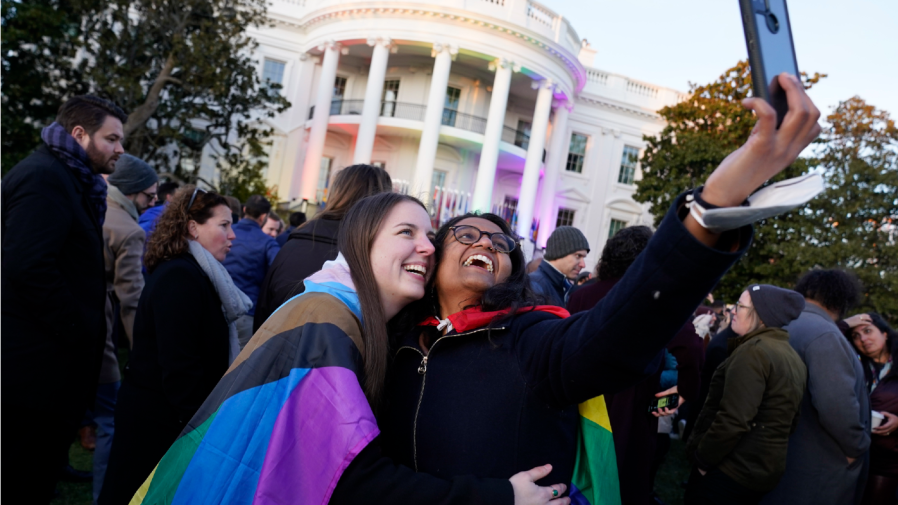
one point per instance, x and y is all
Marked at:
(672, 43)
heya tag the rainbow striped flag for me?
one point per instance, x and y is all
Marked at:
(595, 479)
(288, 416)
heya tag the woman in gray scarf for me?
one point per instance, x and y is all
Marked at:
(184, 336)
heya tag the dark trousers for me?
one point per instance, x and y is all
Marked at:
(717, 488)
(50, 382)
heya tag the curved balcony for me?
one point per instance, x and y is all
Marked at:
(348, 112)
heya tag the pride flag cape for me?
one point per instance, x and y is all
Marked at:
(288, 416)
(595, 479)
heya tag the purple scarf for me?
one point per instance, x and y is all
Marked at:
(73, 155)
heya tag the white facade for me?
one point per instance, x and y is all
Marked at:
(439, 92)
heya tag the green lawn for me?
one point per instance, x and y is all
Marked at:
(71, 493)
(674, 471)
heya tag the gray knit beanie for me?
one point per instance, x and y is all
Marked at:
(565, 240)
(132, 175)
(776, 307)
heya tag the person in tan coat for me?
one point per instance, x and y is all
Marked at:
(132, 190)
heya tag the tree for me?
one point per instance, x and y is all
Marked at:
(39, 41)
(856, 219)
(701, 131)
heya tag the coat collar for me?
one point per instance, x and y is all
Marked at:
(554, 276)
(473, 318)
(772, 333)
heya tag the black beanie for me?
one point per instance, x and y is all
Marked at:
(563, 241)
(776, 307)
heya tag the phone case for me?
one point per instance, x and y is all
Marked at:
(758, 77)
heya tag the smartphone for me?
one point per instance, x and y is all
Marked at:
(670, 401)
(771, 52)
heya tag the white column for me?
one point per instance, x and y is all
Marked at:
(364, 142)
(553, 172)
(495, 120)
(527, 197)
(312, 165)
(430, 135)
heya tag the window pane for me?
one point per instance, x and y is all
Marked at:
(522, 136)
(628, 161)
(452, 95)
(576, 153)
(438, 180)
(273, 71)
(565, 217)
(509, 211)
(339, 87)
(578, 144)
(391, 90)
(615, 227)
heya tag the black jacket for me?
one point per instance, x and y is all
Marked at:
(180, 353)
(53, 281)
(493, 402)
(304, 253)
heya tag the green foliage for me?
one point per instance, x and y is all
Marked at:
(186, 72)
(847, 226)
(39, 40)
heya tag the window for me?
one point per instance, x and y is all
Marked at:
(565, 217)
(576, 153)
(615, 227)
(273, 71)
(450, 110)
(339, 89)
(509, 210)
(379, 164)
(391, 91)
(522, 135)
(628, 165)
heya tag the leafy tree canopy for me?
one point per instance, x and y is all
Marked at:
(856, 154)
(183, 69)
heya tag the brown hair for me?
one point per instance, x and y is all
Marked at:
(88, 112)
(170, 238)
(360, 227)
(351, 185)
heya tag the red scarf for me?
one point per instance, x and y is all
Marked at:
(473, 318)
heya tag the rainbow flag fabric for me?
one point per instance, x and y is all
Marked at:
(595, 479)
(286, 419)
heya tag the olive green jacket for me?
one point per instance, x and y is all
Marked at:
(751, 410)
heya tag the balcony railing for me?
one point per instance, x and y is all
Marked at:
(415, 112)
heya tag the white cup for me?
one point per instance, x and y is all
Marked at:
(876, 419)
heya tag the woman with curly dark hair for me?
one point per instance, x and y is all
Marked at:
(184, 336)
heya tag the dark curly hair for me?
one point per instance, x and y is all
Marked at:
(621, 251)
(891, 342)
(837, 290)
(170, 238)
(514, 294)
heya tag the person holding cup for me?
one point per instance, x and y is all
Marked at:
(875, 341)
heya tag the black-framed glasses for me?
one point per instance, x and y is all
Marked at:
(150, 196)
(193, 197)
(469, 235)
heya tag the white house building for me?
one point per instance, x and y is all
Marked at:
(489, 105)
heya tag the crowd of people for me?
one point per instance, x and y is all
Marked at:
(363, 356)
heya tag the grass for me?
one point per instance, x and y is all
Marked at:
(76, 493)
(671, 475)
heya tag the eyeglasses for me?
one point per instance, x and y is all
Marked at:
(742, 306)
(469, 235)
(193, 197)
(150, 196)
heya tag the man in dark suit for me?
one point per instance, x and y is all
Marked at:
(54, 290)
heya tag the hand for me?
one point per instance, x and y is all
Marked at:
(665, 411)
(850, 460)
(703, 472)
(858, 320)
(528, 493)
(888, 425)
(768, 150)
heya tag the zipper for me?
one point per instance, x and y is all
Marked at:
(422, 369)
